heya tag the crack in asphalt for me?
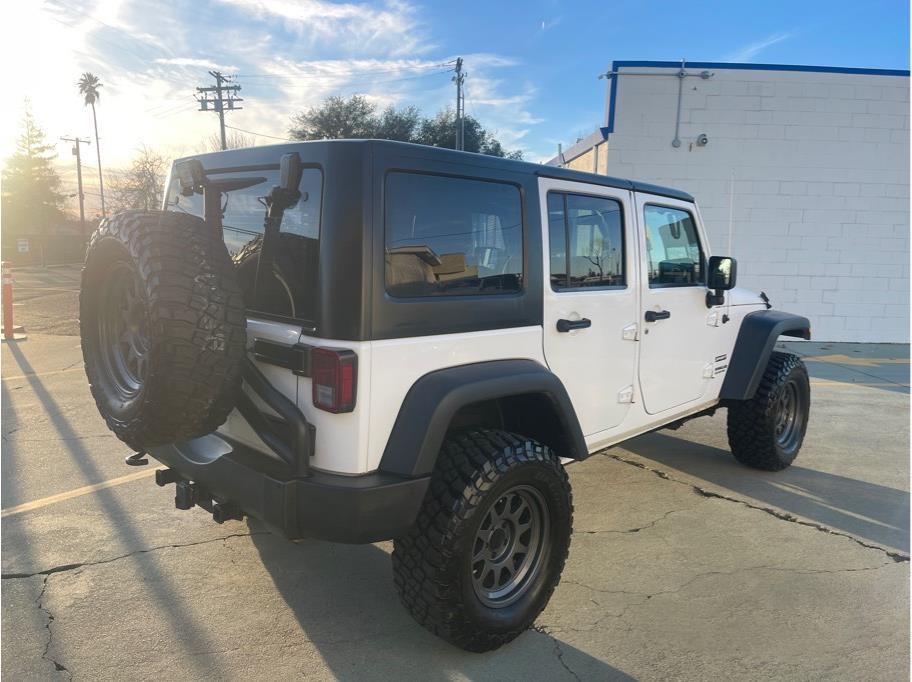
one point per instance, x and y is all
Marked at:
(647, 596)
(631, 530)
(781, 515)
(45, 655)
(70, 567)
(559, 652)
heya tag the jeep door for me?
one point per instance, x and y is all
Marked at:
(590, 298)
(676, 345)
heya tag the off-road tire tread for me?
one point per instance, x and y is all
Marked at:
(197, 324)
(751, 423)
(424, 560)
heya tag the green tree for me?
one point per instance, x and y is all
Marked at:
(88, 87)
(31, 197)
(398, 124)
(357, 118)
(336, 119)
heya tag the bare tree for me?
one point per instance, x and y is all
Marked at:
(142, 185)
(234, 139)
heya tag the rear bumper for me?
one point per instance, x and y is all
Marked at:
(352, 509)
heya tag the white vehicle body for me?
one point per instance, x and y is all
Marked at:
(625, 376)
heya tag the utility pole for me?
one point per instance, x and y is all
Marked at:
(459, 78)
(221, 97)
(76, 142)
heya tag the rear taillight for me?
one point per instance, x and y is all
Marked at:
(335, 376)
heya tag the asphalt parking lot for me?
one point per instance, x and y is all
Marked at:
(683, 564)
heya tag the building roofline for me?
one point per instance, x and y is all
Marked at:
(746, 66)
(731, 66)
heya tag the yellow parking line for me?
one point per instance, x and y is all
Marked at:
(78, 492)
(44, 374)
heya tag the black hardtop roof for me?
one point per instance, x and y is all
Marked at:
(269, 154)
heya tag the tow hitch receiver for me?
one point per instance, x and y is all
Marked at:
(188, 495)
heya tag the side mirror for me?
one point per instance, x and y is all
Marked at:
(721, 275)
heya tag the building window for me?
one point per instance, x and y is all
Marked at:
(586, 236)
(452, 236)
(673, 248)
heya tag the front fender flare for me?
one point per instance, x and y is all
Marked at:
(434, 399)
(756, 339)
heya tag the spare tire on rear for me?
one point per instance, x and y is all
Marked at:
(162, 323)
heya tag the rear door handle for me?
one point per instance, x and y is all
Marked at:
(570, 325)
(653, 316)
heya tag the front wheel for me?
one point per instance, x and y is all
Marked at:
(490, 541)
(767, 431)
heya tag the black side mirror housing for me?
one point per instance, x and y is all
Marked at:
(290, 172)
(721, 275)
(190, 176)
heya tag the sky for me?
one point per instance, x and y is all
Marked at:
(532, 66)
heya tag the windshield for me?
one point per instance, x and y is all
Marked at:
(292, 292)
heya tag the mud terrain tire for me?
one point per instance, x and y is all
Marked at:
(486, 485)
(163, 327)
(767, 431)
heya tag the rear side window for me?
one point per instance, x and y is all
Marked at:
(673, 248)
(586, 241)
(452, 236)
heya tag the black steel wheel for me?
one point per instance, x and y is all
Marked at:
(767, 431)
(123, 331)
(490, 541)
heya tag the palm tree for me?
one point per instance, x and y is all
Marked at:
(88, 88)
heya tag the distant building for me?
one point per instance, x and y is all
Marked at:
(820, 159)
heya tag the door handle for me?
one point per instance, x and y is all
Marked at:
(653, 316)
(570, 325)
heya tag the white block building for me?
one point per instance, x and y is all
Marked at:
(820, 160)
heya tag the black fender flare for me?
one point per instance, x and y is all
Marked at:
(756, 339)
(433, 400)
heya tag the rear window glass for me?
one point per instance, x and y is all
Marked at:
(452, 236)
(292, 289)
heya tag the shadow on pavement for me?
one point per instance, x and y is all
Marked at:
(345, 602)
(162, 591)
(865, 510)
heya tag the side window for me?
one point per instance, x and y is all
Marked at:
(673, 248)
(586, 236)
(451, 236)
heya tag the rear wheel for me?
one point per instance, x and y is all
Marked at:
(767, 431)
(162, 324)
(490, 541)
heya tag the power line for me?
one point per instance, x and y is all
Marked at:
(271, 137)
(344, 73)
(387, 80)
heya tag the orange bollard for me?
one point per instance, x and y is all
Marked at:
(7, 301)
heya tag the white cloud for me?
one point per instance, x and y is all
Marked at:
(393, 26)
(748, 52)
(151, 62)
(548, 24)
(189, 61)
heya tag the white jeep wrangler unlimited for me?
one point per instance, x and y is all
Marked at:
(366, 340)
